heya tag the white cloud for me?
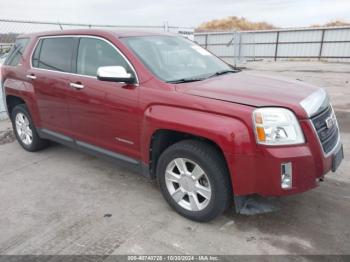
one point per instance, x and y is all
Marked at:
(177, 12)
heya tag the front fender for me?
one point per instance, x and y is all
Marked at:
(230, 134)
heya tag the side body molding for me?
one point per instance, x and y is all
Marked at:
(115, 157)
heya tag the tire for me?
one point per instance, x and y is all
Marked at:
(182, 192)
(23, 126)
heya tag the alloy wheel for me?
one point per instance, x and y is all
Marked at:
(188, 184)
(23, 129)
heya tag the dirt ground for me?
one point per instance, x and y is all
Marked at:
(61, 201)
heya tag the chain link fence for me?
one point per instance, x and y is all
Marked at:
(10, 29)
(226, 45)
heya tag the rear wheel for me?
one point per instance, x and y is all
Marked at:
(194, 180)
(25, 131)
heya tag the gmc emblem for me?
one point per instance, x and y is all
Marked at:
(329, 122)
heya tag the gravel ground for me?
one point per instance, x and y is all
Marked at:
(61, 201)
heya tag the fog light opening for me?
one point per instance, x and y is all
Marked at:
(286, 176)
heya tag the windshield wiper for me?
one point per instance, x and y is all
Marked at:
(223, 72)
(194, 79)
(185, 80)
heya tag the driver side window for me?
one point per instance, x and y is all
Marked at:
(94, 53)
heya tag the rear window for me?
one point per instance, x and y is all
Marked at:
(54, 54)
(16, 52)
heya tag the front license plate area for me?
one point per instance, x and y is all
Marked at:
(337, 158)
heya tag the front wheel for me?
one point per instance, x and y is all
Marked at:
(194, 180)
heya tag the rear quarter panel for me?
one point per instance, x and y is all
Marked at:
(15, 82)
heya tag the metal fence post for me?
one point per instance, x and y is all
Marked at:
(277, 40)
(239, 46)
(166, 26)
(321, 44)
(206, 41)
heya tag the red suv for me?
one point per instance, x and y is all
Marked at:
(169, 108)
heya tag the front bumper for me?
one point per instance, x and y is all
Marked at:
(260, 173)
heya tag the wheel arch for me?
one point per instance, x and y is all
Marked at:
(15, 97)
(164, 138)
(165, 125)
(12, 101)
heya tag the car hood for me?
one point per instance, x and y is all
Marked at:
(253, 90)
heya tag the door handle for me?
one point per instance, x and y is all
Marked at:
(76, 85)
(32, 77)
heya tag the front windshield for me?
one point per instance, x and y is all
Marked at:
(172, 58)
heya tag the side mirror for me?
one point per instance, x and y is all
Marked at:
(115, 74)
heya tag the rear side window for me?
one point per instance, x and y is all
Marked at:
(54, 54)
(16, 52)
(94, 53)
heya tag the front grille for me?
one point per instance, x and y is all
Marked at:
(328, 135)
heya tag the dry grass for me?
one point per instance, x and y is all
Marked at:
(242, 24)
(333, 23)
(234, 23)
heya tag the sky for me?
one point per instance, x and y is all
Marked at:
(189, 13)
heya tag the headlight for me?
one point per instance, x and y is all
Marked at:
(276, 126)
(316, 102)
